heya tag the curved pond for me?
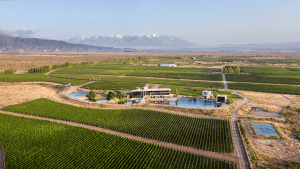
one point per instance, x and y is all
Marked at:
(191, 103)
(77, 95)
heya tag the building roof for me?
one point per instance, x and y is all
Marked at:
(221, 95)
(159, 89)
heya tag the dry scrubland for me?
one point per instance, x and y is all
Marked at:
(274, 153)
(16, 93)
(295, 99)
(24, 62)
(269, 98)
(245, 109)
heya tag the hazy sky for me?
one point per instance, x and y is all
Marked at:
(210, 22)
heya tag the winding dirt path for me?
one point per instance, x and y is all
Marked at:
(164, 144)
(2, 159)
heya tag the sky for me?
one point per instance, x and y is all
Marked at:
(210, 22)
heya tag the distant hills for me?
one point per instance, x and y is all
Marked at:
(10, 44)
(154, 41)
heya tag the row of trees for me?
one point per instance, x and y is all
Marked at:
(7, 71)
(43, 69)
(46, 69)
(232, 69)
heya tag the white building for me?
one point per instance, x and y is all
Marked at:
(168, 65)
(152, 93)
(207, 94)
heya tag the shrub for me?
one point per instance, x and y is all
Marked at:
(229, 101)
(111, 95)
(92, 95)
(120, 94)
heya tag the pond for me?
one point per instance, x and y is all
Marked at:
(190, 103)
(101, 101)
(77, 95)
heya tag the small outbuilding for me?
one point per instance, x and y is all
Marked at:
(207, 94)
(221, 98)
(68, 85)
(193, 58)
(258, 108)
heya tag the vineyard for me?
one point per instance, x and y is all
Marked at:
(147, 71)
(143, 80)
(206, 134)
(276, 75)
(30, 143)
(38, 77)
(113, 85)
(283, 89)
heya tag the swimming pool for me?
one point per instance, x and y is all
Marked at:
(189, 103)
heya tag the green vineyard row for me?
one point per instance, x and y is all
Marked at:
(201, 133)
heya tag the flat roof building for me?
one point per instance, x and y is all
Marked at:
(221, 98)
(153, 93)
(168, 65)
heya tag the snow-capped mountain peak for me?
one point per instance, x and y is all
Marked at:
(143, 42)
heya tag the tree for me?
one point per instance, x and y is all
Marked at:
(177, 92)
(225, 70)
(121, 95)
(238, 70)
(92, 95)
(111, 95)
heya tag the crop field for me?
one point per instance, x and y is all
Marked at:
(146, 71)
(197, 91)
(113, 85)
(282, 89)
(206, 134)
(30, 143)
(276, 75)
(217, 85)
(38, 77)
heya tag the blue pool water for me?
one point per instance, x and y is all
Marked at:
(265, 129)
(101, 101)
(194, 104)
(77, 95)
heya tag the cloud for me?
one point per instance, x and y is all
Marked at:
(20, 33)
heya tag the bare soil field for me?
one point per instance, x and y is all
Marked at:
(24, 61)
(269, 98)
(16, 93)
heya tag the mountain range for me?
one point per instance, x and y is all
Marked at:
(154, 41)
(10, 44)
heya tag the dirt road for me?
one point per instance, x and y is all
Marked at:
(225, 82)
(164, 144)
(239, 149)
